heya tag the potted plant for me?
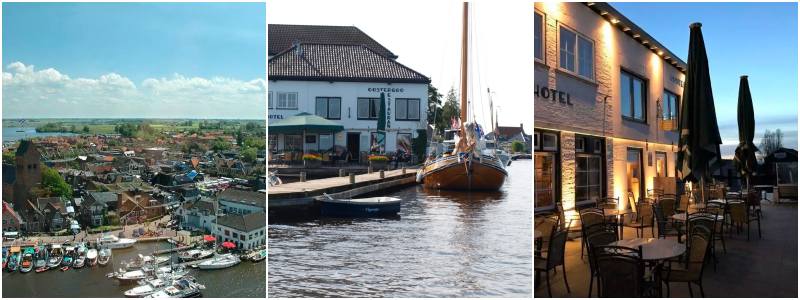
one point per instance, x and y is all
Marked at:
(378, 162)
(312, 160)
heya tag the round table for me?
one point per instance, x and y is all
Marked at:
(618, 213)
(682, 217)
(654, 249)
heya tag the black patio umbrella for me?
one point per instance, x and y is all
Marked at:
(698, 147)
(745, 156)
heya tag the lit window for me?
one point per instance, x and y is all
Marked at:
(539, 37)
(633, 96)
(669, 108)
(576, 53)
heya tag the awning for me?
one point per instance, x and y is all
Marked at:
(304, 123)
(228, 245)
(10, 233)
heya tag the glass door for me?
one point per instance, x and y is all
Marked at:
(634, 173)
(544, 180)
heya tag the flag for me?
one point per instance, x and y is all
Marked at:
(478, 130)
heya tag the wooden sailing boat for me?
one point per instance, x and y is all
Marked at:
(465, 167)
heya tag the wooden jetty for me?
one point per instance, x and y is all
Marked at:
(177, 249)
(298, 199)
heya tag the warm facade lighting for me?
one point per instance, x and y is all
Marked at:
(636, 36)
(590, 4)
(626, 29)
(614, 21)
(660, 52)
(645, 42)
(603, 13)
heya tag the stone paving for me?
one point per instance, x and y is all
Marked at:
(755, 268)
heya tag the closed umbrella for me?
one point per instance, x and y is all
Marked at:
(698, 147)
(381, 130)
(745, 156)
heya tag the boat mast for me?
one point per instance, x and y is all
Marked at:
(464, 65)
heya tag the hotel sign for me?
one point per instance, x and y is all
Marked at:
(276, 117)
(552, 95)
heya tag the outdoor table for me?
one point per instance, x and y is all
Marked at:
(682, 217)
(618, 213)
(654, 249)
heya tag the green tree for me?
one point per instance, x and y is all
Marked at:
(258, 143)
(54, 184)
(249, 155)
(239, 138)
(220, 145)
(450, 110)
(85, 129)
(9, 157)
(517, 146)
(771, 142)
(434, 105)
(419, 144)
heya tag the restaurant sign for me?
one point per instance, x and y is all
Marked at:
(552, 95)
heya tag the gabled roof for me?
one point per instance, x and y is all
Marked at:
(104, 197)
(245, 197)
(23, 147)
(324, 62)
(283, 36)
(244, 223)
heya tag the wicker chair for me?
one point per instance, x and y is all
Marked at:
(644, 219)
(708, 221)
(620, 272)
(600, 234)
(608, 202)
(589, 217)
(741, 214)
(547, 226)
(555, 258)
(665, 226)
(693, 271)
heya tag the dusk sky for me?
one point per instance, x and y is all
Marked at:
(754, 39)
(195, 60)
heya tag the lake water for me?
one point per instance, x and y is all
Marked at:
(445, 244)
(247, 279)
(18, 133)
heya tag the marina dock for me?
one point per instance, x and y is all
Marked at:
(298, 199)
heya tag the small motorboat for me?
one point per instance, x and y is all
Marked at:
(146, 288)
(195, 254)
(69, 256)
(220, 262)
(181, 288)
(145, 260)
(113, 242)
(259, 255)
(91, 257)
(14, 256)
(129, 277)
(64, 268)
(80, 257)
(359, 208)
(56, 256)
(26, 262)
(42, 269)
(104, 256)
(40, 258)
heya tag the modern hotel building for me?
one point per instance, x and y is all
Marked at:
(607, 97)
(339, 73)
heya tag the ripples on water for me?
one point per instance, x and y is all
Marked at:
(445, 244)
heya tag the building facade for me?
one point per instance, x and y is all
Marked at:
(340, 73)
(246, 231)
(607, 97)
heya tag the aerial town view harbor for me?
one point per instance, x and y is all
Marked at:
(119, 189)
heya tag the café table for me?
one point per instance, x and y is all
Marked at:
(682, 217)
(654, 249)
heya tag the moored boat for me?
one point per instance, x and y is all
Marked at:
(69, 256)
(195, 254)
(104, 256)
(41, 256)
(129, 277)
(42, 269)
(13, 258)
(56, 256)
(91, 257)
(181, 288)
(5, 257)
(220, 262)
(144, 260)
(80, 256)
(146, 288)
(259, 255)
(360, 208)
(113, 242)
(26, 262)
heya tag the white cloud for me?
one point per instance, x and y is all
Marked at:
(29, 93)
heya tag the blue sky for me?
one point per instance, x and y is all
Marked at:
(754, 39)
(162, 55)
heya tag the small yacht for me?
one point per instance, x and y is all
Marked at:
(195, 254)
(181, 288)
(104, 256)
(113, 242)
(91, 257)
(146, 287)
(220, 262)
(56, 256)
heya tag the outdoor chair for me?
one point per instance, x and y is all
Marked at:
(708, 222)
(546, 225)
(741, 214)
(665, 226)
(601, 234)
(693, 271)
(621, 272)
(683, 204)
(589, 217)
(754, 201)
(555, 258)
(718, 209)
(667, 206)
(608, 202)
(644, 219)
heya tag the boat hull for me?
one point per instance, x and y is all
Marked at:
(352, 209)
(450, 174)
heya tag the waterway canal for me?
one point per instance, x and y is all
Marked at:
(243, 280)
(445, 244)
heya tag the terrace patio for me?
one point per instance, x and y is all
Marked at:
(765, 267)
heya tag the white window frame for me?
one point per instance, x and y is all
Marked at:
(575, 52)
(328, 114)
(286, 97)
(407, 103)
(555, 138)
(270, 103)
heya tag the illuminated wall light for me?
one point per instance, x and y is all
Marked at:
(626, 29)
(645, 42)
(590, 4)
(636, 36)
(603, 13)
(660, 52)
(652, 47)
(614, 21)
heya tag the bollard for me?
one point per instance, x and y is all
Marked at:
(341, 172)
(302, 176)
(352, 178)
(382, 176)
(404, 170)
(369, 170)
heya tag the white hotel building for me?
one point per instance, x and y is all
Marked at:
(606, 104)
(339, 73)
